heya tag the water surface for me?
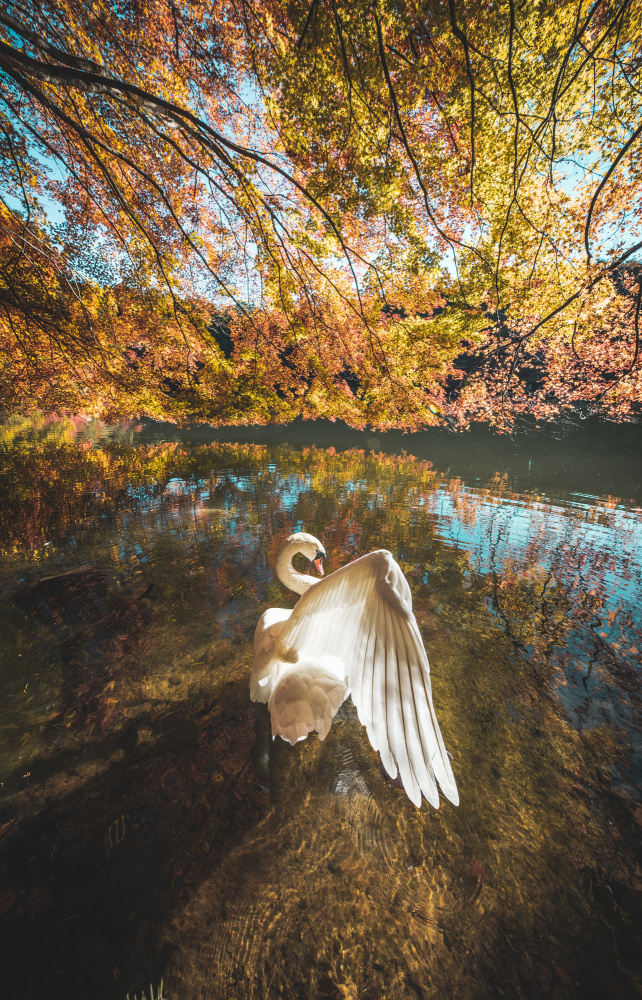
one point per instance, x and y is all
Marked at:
(149, 827)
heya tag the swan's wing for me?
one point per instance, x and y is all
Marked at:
(269, 626)
(363, 614)
(270, 623)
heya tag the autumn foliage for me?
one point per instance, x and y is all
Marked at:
(400, 215)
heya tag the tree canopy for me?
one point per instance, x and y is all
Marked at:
(396, 213)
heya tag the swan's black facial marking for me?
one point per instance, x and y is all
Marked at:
(318, 561)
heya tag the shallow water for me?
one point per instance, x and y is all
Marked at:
(151, 830)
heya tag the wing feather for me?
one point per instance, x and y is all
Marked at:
(432, 739)
(392, 694)
(362, 615)
(377, 726)
(360, 664)
(362, 638)
(364, 703)
(410, 734)
(400, 729)
(416, 710)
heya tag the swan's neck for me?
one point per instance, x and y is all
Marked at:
(287, 574)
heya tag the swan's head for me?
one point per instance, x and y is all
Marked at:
(310, 547)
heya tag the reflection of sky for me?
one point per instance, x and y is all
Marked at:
(290, 488)
(504, 529)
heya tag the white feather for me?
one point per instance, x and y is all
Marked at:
(353, 631)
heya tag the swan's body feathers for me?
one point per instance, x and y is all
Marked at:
(356, 630)
(307, 698)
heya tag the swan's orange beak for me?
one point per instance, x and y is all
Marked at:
(319, 565)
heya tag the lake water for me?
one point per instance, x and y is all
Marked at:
(151, 831)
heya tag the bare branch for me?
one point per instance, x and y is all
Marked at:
(624, 150)
(469, 70)
(308, 22)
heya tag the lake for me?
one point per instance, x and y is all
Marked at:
(155, 840)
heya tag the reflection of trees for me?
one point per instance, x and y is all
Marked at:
(52, 489)
(50, 486)
(536, 621)
(564, 582)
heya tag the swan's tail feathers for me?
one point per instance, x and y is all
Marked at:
(306, 698)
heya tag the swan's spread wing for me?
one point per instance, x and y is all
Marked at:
(363, 614)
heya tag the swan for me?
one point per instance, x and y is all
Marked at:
(352, 633)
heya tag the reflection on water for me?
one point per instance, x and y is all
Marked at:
(149, 826)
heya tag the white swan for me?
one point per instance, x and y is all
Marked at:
(353, 632)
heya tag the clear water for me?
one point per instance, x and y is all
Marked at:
(151, 830)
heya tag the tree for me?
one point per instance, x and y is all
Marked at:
(402, 191)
